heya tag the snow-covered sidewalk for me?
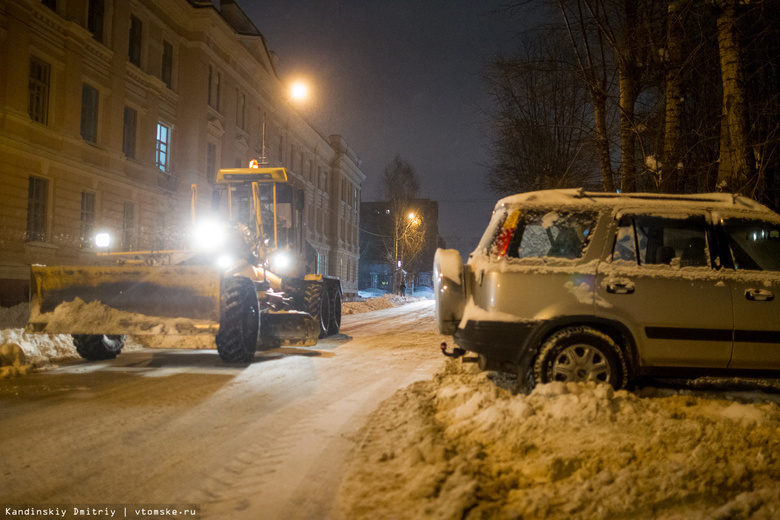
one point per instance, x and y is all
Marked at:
(463, 445)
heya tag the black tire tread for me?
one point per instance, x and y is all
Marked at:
(98, 347)
(237, 337)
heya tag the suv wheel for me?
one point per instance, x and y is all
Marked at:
(578, 354)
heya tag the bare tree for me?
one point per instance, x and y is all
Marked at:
(400, 187)
(542, 131)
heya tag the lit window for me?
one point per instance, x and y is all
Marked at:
(163, 146)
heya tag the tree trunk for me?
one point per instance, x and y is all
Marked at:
(627, 134)
(627, 83)
(602, 140)
(671, 160)
(736, 171)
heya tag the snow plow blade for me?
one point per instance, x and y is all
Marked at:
(125, 300)
(288, 329)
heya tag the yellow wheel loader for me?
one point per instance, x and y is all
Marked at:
(244, 280)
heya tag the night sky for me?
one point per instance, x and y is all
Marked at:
(400, 77)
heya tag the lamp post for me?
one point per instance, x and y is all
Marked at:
(298, 92)
(400, 230)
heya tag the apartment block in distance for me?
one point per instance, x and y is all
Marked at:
(110, 110)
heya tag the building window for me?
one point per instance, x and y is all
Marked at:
(163, 145)
(38, 107)
(37, 196)
(136, 33)
(87, 219)
(211, 162)
(160, 242)
(218, 92)
(95, 14)
(166, 74)
(240, 109)
(211, 80)
(89, 113)
(128, 226)
(128, 132)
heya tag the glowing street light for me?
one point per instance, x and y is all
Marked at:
(299, 91)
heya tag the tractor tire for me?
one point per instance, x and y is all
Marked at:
(335, 313)
(317, 303)
(239, 325)
(98, 347)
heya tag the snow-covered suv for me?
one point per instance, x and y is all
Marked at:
(568, 285)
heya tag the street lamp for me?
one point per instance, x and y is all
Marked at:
(299, 91)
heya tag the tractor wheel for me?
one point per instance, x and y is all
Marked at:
(335, 314)
(97, 347)
(316, 303)
(239, 325)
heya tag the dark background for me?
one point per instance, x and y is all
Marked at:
(400, 77)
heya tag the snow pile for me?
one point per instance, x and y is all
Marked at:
(96, 318)
(374, 304)
(21, 353)
(464, 446)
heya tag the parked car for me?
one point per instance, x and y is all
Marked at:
(569, 285)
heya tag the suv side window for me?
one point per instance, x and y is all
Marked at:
(662, 241)
(552, 234)
(754, 244)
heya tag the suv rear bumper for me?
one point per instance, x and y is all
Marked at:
(499, 341)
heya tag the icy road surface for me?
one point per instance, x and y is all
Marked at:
(267, 440)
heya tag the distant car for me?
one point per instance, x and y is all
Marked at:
(568, 285)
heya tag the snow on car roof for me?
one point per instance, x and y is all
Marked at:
(580, 197)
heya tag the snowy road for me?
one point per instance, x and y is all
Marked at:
(268, 440)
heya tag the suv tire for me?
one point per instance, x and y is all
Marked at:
(578, 354)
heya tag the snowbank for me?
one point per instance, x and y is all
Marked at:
(20, 353)
(464, 446)
(375, 304)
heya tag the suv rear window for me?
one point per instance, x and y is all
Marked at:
(754, 244)
(544, 234)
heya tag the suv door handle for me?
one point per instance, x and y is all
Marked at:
(759, 295)
(620, 287)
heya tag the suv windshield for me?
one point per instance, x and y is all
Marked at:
(754, 244)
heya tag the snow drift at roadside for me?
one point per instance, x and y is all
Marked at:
(464, 446)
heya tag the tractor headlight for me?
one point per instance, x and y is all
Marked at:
(280, 260)
(102, 240)
(224, 261)
(208, 236)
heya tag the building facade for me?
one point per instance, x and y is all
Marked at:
(111, 110)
